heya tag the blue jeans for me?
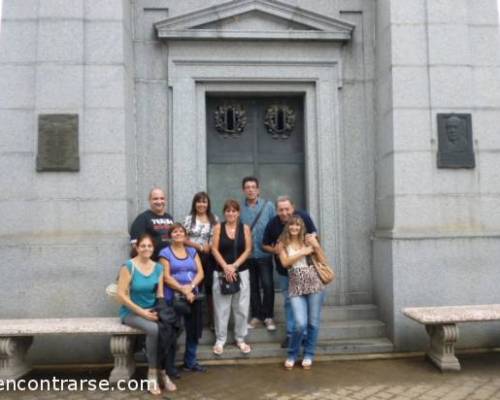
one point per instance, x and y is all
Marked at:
(289, 319)
(307, 313)
(190, 353)
(190, 326)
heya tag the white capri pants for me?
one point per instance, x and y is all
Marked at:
(239, 303)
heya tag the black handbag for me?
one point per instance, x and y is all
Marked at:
(227, 287)
(181, 305)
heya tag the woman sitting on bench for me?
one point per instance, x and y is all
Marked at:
(139, 284)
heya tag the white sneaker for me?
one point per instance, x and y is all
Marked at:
(270, 324)
(307, 363)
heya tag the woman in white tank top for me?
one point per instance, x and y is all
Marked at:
(305, 289)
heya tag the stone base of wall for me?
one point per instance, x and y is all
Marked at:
(436, 271)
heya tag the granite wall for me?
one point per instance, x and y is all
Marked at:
(64, 234)
(437, 229)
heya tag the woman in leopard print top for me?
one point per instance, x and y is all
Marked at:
(306, 290)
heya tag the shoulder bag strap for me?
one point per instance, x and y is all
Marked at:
(258, 215)
(132, 269)
(235, 243)
(222, 226)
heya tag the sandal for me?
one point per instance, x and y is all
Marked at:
(289, 363)
(307, 363)
(153, 386)
(167, 382)
(218, 349)
(244, 348)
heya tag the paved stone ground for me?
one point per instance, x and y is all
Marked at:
(409, 378)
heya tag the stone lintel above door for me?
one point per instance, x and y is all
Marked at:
(254, 20)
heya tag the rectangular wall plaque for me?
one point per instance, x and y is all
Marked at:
(58, 143)
(455, 147)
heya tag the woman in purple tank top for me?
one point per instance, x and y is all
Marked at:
(183, 274)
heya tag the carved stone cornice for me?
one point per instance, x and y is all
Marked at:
(310, 25)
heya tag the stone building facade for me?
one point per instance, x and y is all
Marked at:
(361, 81)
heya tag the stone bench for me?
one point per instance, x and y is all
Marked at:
(440, 324)
(16, 337)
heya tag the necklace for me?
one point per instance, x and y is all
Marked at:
(231, 231)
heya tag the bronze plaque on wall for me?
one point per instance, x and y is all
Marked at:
(455, 147)
(58, 143)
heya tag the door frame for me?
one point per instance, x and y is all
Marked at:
(189, 83)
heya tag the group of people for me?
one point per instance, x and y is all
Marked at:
(225, 263)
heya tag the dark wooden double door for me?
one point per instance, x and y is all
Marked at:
(262, 136)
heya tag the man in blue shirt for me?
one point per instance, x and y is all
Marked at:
(270, 243)
(256, 213)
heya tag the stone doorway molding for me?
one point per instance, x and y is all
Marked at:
(210, 51)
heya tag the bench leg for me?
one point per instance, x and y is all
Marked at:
(121, 348)
(12, 356)
(442, 350)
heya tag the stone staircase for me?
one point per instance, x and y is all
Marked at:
(351, 329)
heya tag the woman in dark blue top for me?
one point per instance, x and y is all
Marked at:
(183, 274)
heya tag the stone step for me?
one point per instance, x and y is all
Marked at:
(338, 313)
(334, 313)
(353, 329)
(344, 330)
(269, 350)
